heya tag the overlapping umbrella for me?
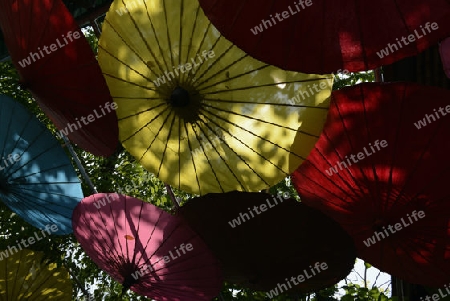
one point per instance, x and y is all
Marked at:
(318, 36)
(267, 242)
(37, 179)
(381, 170)
(146, 249)
(25, 276)
(197, 111)
(57, 65)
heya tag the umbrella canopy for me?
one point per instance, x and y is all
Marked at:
(265, 241)
(323, 36)
(444, 50)
(381, 170)
(24, 276)
(146, 249)
(37, 179)
(56, 64)
(197, 111)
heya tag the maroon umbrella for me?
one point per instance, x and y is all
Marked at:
(58, 67)
(318, 36)
(381, 169)
(146, 249)
(444, 50)
(271, 243)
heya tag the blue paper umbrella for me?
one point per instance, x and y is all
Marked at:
(37, 179)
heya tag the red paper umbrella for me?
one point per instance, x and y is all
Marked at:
(57, 65)
(270, 243)
(381, 169)
(146, 249)
(324, 36)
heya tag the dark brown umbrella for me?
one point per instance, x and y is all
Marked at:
(270, 243)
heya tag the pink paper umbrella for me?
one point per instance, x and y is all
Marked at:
(146, 249)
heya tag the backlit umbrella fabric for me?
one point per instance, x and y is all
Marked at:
(197, 111)
(37, 179)
(25, 277)
(263, 241)
(381, 170)
(146, 249)
(57, 65)
(319, 36)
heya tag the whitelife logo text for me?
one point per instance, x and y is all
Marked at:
(438, 296)
(13, 249)
(46, 50)
(361, 156)
(265, 24)
(9, 161)
(391, 48)
(317, 89)
(106, 109)
(282, 287)
(243, 217)
(378, 236)
(429, 118)
(169, 75)
(163, 260)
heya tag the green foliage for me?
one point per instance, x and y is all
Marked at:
(121, 173)
(350, 79)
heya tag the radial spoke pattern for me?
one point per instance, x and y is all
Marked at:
(37, 179)
(23, 276)
(369, 186)
(146, 249)
(233, 121)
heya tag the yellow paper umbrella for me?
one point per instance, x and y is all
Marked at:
(23, 276)
(196, 110)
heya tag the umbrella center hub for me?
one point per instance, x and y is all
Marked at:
(180, 97)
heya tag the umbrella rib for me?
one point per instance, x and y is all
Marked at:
(217, 60)
(346, 131)
(216, 91)
(168, 138)
(131, 68)
(318, 183)
(243, 143)
(261, 120)
(417, 163)
(142, 112)
(145, 125)
(391, 171)
(37, 286)
(137, 240)
(33, 210)
(205, 34)
(10, 124)
(140, 35)
(110, 250)
(161, 69)
(200, 45)
(248, 131)
(192, 158)
(374, 170)
(224, 161)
